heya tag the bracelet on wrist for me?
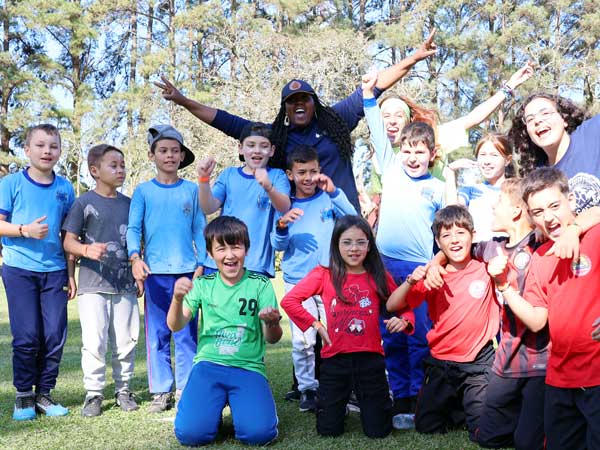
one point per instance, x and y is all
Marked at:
(410, 281)
(281, 224)
(203, 180)
(21, 230)
(271, 187)
(507, 91)
(575, 224)
(503, 287)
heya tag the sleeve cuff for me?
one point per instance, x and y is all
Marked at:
(335, 193)
(369, 102)
(282, 231)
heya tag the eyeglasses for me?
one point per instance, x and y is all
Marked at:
(360, 244)
(543, 114)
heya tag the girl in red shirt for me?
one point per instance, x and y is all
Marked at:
(354, 290)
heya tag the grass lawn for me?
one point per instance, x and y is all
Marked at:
(142, 430)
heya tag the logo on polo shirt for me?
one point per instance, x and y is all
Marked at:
(477, 289)
(521, 260)
(582, 266)
(326, 214)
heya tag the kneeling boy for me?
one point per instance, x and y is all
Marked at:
(465, 316)
(239, 313)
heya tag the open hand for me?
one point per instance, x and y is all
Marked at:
(292, 215)
(497, 267)
(396, 324)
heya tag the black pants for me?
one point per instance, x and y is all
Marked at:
(363, 373)
(453, 393)
(572, 418)
(513, 413)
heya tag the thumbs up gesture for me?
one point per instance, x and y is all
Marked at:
(36, 229)
(498, 267)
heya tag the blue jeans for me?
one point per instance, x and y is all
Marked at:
(159, 292)
(404, 354)
(209, 388)
(37, 310)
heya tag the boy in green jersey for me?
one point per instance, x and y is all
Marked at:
(239, 313)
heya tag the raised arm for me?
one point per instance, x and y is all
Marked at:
(390, 76)
(483, 110)
(178, 315)
(534, 317)
(397, 300)
(208, 202)
(169, 92)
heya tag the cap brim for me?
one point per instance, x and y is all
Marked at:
(188, 158)
(297, 92)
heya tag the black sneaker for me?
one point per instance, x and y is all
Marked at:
(44, 404)
(125, 401)
(161, 402)
(92, 406)
(24, 408)
(308, 401)
(293, 395)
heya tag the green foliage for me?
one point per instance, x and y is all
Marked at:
(88, 65)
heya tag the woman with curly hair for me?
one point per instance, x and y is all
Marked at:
(551, 130)
(304, 119)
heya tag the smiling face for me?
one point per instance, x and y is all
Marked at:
(416, 159)
(491, 162)
(43, 151)
(110, 170)
(302, 175)
(545, 125)
(551, 211)
(229, 259)
(167, 156)
(300, 109)
(394, 119)
(256, 151)
(354, 246)
(455, 242)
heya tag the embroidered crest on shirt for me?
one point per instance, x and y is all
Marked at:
(326, 214)
(187, 208)
(477, 289)
(263, 202)
(62, 196)
(586, 189)
(427, 194)
(521, 260)
(582, 266)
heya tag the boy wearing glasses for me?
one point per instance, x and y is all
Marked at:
(304, 235)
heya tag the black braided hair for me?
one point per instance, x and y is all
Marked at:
(328, 121)
(530, 155)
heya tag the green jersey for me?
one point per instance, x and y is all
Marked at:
(230, 330)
